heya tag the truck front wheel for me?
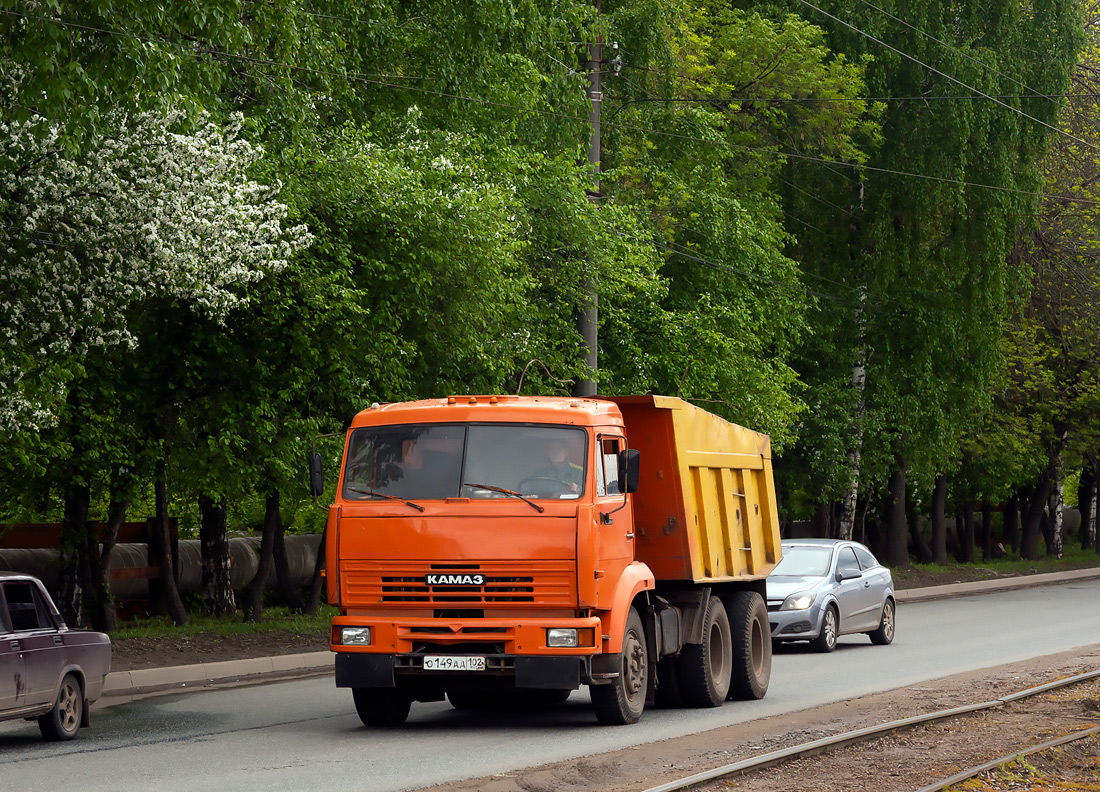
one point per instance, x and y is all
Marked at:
(381, 706)
(622, 701)
(752, 645)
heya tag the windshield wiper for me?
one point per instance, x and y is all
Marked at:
(513, 493)
(374, 494)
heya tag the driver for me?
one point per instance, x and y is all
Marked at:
(559, 467)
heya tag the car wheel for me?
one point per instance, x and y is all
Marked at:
(705, 667)
(381, 706)
(63, 721)
(826, 639)
(621, 702)
(885, 632)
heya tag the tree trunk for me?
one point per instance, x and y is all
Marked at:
(164, 591)
(254, 610)
(1036, 507)
(964, 553)
(317, 584)
(73, 560)
(920, 547)
(1057, 501)
(939, 529)
(1010, 531)
(1086, 502)
(98, 600)
(292, 598)
(217, 585)
(987, 531)
(897, 533)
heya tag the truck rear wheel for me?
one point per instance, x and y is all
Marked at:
(705, 667)
(381, 706)
(622, 701)
(752, 645)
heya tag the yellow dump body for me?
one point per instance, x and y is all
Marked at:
(705, 509)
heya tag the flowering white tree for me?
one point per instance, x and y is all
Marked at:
(151, 211)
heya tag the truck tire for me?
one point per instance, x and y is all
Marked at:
(752, 645)
(621, 702)
(705, 668)
(381, 706)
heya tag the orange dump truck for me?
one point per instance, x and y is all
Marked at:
(491, 549)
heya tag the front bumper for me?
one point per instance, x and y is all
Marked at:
(794, 625)
(359, 670)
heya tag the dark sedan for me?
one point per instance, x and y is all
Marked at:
(825, 588)
(47, 671)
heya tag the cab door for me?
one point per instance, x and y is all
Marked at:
(616, 524)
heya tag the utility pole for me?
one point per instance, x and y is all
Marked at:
(588, 315)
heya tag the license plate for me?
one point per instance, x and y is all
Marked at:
(453, 663)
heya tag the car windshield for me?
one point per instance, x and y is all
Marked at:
(435, 461)
(804, 561)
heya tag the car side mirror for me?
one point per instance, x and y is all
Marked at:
(629, 470)
(316, 475)
(852, 575)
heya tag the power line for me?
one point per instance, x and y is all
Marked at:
(561, 115)
(946, 76)
(1033, 95)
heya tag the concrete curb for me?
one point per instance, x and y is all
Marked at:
(999, 584)
(129, 685)
(121, 686)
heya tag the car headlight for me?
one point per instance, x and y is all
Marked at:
(355, 636)
(799, 601)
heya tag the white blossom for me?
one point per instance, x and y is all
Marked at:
(148, 212)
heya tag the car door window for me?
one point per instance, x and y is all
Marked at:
(847, 564)
(866, 560)
(26, 610)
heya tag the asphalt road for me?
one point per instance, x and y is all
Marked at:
(305, 735)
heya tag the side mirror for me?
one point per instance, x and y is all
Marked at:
(316, 475)
(629, 470)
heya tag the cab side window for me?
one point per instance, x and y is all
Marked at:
(607, 465)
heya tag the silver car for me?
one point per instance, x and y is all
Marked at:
(825, 588)
(47, 671)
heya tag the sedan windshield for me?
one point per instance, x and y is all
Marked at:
(804, 562)
(435, 461)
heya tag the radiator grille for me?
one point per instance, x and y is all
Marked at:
(507, 583)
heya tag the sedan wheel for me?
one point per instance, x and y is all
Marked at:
(885, 632)
(826, 640)
(63, 721)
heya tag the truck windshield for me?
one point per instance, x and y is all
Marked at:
(435, 461)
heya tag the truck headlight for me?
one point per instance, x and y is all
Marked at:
(570, 637)
(355, 636)
(561, 636)
(799, 601)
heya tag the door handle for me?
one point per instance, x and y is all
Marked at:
(57, 640)
(15, 647)
(630, 535)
